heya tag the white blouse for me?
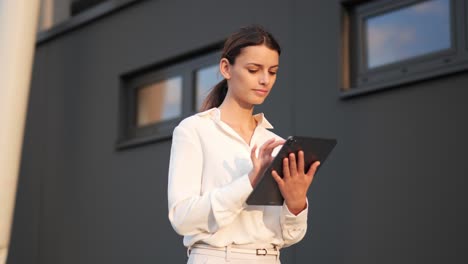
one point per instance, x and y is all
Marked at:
(209, 184)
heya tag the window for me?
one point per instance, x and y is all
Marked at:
(53, 12)
(465, 16)
(389, 43)
(408, 32)
(154, 100)
(159, 101)
(206, 78)
(60, 16)
(79, 6)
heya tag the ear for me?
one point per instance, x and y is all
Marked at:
(225, 68)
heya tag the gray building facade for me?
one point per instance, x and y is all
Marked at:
(393, 190)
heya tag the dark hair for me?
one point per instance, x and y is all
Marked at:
(247, 36)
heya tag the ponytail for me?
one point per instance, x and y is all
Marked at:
(216, 96)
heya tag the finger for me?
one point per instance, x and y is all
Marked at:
(292, 164)
(269, 149)
(272, 142)
(268, 142)
(264, 146)
(313, 169)
(300, 162)
(277, 178)
(286, 174)
(253, 157)
(276, 143)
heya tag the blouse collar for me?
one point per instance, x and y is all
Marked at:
(215, 114)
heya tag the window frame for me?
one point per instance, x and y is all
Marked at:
(83, 18)
(357, 79)
(464, 17)
(185, 66)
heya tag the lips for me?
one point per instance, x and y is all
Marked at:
(261, 91)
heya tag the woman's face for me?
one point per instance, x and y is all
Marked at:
(252, 76)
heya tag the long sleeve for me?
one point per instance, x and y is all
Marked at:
(293, 227)
(191, 211)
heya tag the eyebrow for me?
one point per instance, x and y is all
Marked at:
(260, 65)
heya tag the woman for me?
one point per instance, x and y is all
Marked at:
(215, 164)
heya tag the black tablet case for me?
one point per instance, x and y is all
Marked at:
(266, 192)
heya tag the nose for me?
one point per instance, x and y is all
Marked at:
(265, 79)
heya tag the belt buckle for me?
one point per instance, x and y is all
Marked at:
(261, 252)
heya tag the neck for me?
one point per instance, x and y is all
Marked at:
(235, 114)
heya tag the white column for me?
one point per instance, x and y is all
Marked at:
(18, 23)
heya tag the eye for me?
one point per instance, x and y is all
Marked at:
(252, 70)
(273, 73)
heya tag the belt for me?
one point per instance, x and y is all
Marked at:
(259, 251)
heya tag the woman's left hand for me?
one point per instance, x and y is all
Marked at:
(295, 181)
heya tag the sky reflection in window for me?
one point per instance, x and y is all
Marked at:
(206, 79)
(409, 32)
(159, 101)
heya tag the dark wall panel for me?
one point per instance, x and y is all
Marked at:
(24, 247)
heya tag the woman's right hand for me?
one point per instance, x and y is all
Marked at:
(261, 163)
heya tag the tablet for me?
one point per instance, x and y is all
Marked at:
(266, 192)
